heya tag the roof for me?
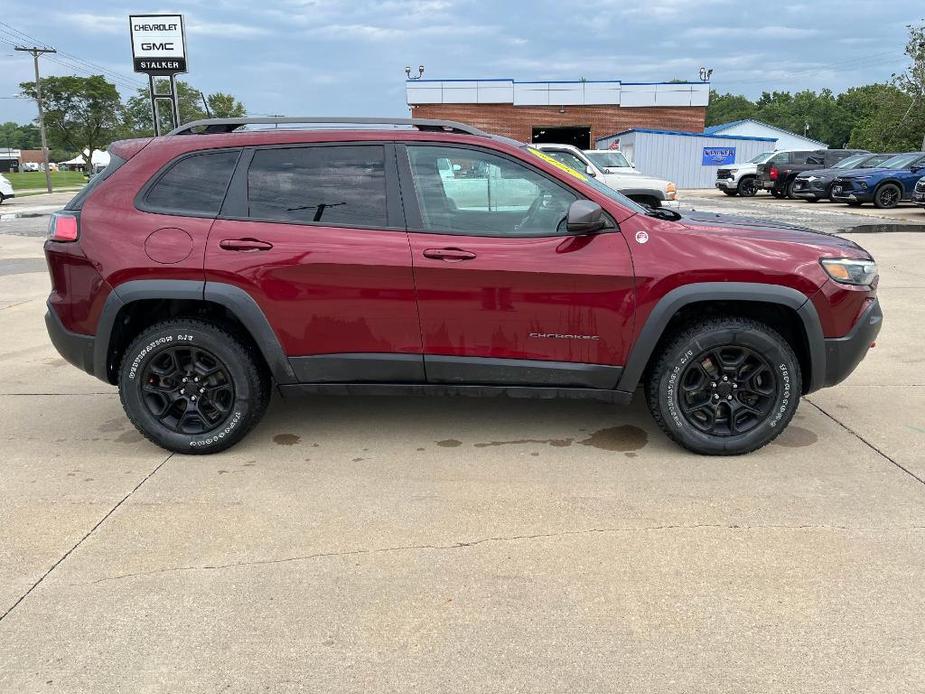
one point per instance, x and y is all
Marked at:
(682, 133)
(731, 124)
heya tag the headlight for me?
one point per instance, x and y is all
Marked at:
(850, 271)
(810, 178)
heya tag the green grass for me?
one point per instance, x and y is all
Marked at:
(36, 179)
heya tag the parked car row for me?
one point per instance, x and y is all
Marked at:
(850, 176)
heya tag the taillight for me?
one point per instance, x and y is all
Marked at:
(772, 173)
(63, 226)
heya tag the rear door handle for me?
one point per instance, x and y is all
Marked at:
(448, 254)
(245, 245)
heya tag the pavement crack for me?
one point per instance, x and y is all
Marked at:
(867, 443)
(484, 540)
(86, 535)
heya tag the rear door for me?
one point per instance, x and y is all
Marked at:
(315, 234)
(505, 295)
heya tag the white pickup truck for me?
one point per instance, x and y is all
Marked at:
(613, 169)
(739, 179)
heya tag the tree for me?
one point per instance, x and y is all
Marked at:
(16, 136)
(138, 122)
(81, 113)
(912, 82)
(725, 108)
(225, 106)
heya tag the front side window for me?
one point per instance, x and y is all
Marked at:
(781, 158)
(341, 185)
(468, 191)
(194, 185)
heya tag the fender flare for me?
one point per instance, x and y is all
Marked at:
(236, 300)
(677, 298)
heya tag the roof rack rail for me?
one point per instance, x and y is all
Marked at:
(210, 126)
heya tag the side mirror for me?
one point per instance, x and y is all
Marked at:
(585, 217)
(590, 171)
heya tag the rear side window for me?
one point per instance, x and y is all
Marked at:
(78, 200)
(194, 185)
(333, 185)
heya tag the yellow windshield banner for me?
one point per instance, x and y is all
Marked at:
(558, 164)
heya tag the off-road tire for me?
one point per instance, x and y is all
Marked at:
(682, 350)
(241, 368)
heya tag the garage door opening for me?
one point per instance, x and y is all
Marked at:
(572, 135)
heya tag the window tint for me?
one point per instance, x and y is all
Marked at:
(194, 185)
(780, 158)
(467, 191)
(341, 185)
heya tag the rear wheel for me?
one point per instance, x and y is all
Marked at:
(724, 386)
(887, 196)
(777, 193)
(191, 387)
(747, 187)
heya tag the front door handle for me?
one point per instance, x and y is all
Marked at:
(245, 245)
(448, 254)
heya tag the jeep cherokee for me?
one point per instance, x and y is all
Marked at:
(205, 268)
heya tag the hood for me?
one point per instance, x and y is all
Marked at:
(758, 229)
(826, 173)
(637, 181)
(857, 173)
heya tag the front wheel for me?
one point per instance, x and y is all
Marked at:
(191, 387)
(724, 386)
(747, 187)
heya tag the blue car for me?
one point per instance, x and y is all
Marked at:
(886, 186)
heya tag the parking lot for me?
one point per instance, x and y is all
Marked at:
(384, 544)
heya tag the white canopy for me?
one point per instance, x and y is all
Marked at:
(99, 157)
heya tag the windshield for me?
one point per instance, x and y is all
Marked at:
(567, 158)
(605, 159)
(761, 158)
(852, 162)
(901, 161)
(602, 188)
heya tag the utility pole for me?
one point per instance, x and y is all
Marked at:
(36, 52)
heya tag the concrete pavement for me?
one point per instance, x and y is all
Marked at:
(380, 544)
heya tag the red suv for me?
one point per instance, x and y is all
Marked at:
(202, 269)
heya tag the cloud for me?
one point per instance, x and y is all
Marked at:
(727, 32)
(96, 23)
(229, 30)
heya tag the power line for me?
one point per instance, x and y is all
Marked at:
(72, 61)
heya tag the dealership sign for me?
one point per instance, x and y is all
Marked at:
(718, 156)
(158, 44)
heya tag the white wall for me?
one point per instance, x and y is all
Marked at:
(679, 158)
(785, 140)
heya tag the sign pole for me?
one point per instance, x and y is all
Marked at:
(157, 122)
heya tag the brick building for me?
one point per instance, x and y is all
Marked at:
(568, 112)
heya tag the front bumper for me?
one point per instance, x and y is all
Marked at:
(918, 197)
(853, 195)
(726, 184)
(76, 348)
(843, 354)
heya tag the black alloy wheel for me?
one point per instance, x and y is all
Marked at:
(727, 390)
(747, 187)
(187, 389)
(887, 196)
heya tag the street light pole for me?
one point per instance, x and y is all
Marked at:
(36, 52)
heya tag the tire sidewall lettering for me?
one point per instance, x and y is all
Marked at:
(152, 346)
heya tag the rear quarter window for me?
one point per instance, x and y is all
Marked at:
(193, 185)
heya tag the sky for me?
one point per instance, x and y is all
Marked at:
(347, 57)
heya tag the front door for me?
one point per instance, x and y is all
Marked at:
(505, 295)
(315, 236)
